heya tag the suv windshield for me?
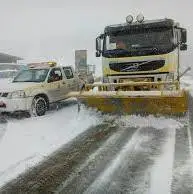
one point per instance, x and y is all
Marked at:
(140, 42)
(31, 75)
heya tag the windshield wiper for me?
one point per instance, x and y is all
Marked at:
(141, 46)
(136, 46)
(25, 81)
(118, 50)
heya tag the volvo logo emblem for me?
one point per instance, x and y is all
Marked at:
(135, 66)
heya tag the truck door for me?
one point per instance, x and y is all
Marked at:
(72, 80)
(55, 84)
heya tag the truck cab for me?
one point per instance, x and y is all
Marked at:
(144, 50)
(37, 86)
(140, 65)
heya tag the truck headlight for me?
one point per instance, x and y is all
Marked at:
(170, 77)
(105, 80)
(17, 94)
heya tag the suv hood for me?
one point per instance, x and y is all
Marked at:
(15, 86)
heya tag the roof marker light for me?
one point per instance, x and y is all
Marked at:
(129, 19)
(140, 18)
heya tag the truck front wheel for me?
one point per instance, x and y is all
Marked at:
(39, 106)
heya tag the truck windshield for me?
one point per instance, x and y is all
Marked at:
(135, 43)
(31, 75)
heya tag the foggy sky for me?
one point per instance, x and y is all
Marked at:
(55, 28)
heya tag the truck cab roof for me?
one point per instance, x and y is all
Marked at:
(161, 23)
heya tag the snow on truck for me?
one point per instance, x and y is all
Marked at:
(140, 65)
(35, 87)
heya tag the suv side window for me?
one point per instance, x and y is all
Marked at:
(55, 75)
(68, 72)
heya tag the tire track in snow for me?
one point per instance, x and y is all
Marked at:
(183, 170)
(96, 163)
(182, 173)
(129, 172)
(3, 126)
(163, 168)
(49, 174)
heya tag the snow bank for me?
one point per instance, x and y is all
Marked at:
(27, 142)
(187, 83)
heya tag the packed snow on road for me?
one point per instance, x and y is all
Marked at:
(141, 153)
(24, 143)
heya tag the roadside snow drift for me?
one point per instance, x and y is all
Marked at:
(26, 142)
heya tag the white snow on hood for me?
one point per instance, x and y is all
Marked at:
(9, 86)
(5, 81)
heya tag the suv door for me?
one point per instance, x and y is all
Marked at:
(55, 84)
(72, 80)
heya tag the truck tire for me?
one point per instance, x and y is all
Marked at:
(39, 106)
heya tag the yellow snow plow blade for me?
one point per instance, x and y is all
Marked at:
(147, 101)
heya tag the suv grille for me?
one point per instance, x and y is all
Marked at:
(4, 94)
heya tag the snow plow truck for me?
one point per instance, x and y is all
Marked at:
(140, 64)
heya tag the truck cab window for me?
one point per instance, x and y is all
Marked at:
(55, 75)
(68, 73)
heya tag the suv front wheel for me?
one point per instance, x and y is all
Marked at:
(39, 106)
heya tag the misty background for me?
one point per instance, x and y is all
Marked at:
(54, 29)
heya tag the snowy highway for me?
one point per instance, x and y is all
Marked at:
(25, 142)
(87, 152)
(96, 97)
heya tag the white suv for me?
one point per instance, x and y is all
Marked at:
(33, 89)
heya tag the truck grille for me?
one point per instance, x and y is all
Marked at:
(137, 66)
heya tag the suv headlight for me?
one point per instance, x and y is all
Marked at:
(17, 94)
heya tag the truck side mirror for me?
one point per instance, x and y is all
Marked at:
(183, 47)
(98, 44)
(98, 54)
(183, 35)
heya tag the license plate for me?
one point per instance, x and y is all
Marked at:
(2, 104)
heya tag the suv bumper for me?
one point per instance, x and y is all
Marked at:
(15, 104)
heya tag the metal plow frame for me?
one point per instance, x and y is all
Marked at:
(158, 101)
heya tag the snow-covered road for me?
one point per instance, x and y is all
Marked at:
(139, 154)
(24, 143)
(130, 153)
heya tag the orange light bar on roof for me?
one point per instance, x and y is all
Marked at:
(42, 64)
